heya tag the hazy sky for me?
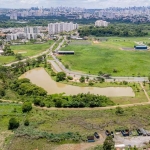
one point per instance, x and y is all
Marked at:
(72, 3)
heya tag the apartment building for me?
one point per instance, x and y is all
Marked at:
(100, 23)
(55, 28)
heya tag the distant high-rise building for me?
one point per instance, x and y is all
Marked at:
(54, 28)
(101, 23)
(13, 16)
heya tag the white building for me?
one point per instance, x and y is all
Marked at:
(55, 28)
(100, 23)
(31, 32)
(13, 16)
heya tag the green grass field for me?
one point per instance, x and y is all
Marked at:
(30, 50)
(58, 121)
(26, 50)
(108, 55)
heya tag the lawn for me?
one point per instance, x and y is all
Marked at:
(26, 50)
(33, 49)
(107, 56)
(58, 121)
(6, 59)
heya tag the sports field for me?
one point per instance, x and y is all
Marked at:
(108, 55)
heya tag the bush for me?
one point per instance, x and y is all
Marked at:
(91, 83)
(70, 78)
(26, 122)
(119, 110)
(53, 73)
(60, 76)
(82, 79)
(13, 124)
(26, 107)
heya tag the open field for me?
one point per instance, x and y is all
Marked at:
(58, 121)
(107, 56)
(25, 50)
(30, 50)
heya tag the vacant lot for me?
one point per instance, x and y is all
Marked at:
(108, 57)
(31, 49)
(25, 50)
(84, 122)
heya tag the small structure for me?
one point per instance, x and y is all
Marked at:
(90, 138)
(141, 47)
(65, 52)
(120, 146)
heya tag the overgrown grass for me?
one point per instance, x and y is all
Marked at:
(84, 122)
(107, 56)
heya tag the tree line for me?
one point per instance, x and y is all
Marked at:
(113, 30)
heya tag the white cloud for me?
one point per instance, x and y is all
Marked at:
(73, 3)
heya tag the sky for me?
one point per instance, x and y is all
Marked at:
(72, 3)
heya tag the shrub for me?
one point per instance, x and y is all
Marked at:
(13, 124)
(60, 76)
(82, 79)
(53, 73)
(26, 107)
(70, 78)
(91, 83)
(26, 122)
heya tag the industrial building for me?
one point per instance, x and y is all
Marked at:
(141, 47)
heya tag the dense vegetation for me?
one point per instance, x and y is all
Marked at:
(80, 100)
(113, 30)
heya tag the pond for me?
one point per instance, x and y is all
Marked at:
(42, 79)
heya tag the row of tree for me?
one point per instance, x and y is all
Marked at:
(75, 101)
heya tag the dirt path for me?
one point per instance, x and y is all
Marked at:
(86, 108)
(145, 92)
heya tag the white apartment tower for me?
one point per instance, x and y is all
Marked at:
(31, 32)
(55, 28)
(100, 23)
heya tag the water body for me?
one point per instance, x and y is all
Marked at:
(42, 79)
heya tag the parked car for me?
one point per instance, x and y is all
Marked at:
(143, 132)
(125, 132)
(112, 134)
(107, 133)
(96, 135)
(139, 131)
(147, 132)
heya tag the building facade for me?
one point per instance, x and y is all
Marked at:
(55, 28)
(100, 23)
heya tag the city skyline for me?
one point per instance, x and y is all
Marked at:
(73, 3)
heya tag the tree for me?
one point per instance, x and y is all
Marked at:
(60, 76)
(87, 78)
(19, 56)
(82, 79)
(26, 122)
(26, 107)
(109, 143)
(13, 124)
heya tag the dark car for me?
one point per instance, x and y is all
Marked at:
(112, 134)
(96, 135)
(107, 133)
(139, 131)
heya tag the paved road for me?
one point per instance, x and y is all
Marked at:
(54, 65)
(79, 74)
